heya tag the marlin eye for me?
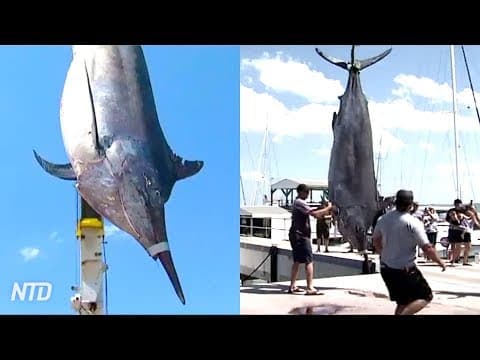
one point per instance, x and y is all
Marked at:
(157, 192)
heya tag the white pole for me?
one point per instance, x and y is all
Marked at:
(454, 93)
(260, 169)
(378, 166)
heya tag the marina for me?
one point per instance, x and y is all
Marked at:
(266, 260)
(347, 276)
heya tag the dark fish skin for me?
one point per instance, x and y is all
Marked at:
(352, 186)
(118, 153)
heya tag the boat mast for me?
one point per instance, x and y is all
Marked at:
(378, 166)
(243, 191)
(454, 102)
(263, 169)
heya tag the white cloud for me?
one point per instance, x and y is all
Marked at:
(253, 175)
(308, 120)
(111, 230)
(431, 90)
(401, 112)
(277, 139)
(256, 109)
(322, 151)
(294, 77)
(419, 105)
(54, 236)
(427, 146)
(29, 253)
(249, 80)
(423, 87)
(465, 170)
(385, 143)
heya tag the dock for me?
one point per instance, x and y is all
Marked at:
(456, 292)
(345, 291)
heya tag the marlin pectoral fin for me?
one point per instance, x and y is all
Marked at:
(62, 171)
(188, 168)
(332, 60)
(370, 61)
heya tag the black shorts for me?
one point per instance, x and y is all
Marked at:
(432, 238)
(301, 248)
(323, 231)
(406, 286)
(457, 236)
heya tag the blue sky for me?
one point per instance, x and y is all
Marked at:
(295, 92)
(196, 91)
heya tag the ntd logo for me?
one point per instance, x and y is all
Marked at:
(38, 291)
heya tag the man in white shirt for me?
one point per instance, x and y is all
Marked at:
(396, 237)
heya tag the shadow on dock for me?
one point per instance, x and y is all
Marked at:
(456, 294)
(276, 289)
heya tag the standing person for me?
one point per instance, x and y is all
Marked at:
(323, 228)
(299, 236)
(456, 230)
(471, 221)
(430, 219)
(396, 237)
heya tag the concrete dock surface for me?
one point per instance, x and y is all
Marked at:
(456, 292)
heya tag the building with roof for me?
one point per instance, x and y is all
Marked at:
(288, 188)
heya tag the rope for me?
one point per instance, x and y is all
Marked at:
(106, 276)
(77, 251)
(270, 252)
(476, 109)
(471, 84)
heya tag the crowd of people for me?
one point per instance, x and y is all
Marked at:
(398, 230)
(462, 219)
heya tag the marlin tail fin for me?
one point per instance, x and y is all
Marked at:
(355, 64)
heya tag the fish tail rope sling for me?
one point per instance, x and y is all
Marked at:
(106, 274)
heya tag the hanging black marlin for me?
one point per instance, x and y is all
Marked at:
(118, 154)
(352, 185)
